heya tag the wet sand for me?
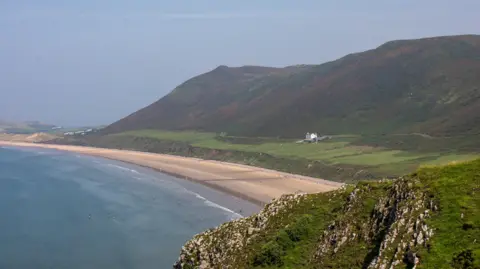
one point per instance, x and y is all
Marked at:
(254, 184)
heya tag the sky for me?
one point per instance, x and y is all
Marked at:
(93, 62)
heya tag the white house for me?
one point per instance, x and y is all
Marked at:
(311, 137)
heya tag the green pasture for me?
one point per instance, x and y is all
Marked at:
(340, 149)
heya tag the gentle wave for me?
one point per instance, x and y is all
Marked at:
(44, 153)
(97, 198)
(212, 204)
(138, 175)
(98, 162)
(234, 215)
(207, 202)
(123, 168)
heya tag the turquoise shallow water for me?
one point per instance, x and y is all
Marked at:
(61, 210)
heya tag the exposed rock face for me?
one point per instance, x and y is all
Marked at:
(225, 246)
(396, 227)
(388, 233)
(377, 225)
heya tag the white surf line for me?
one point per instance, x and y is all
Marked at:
(213, 204)
(123, 168)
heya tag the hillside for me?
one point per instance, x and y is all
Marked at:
(428, 86)
(32, 138)
(429, 219)
(29, 127)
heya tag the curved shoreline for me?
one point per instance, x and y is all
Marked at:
(253, 184)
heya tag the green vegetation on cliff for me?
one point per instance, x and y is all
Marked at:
(429, 219)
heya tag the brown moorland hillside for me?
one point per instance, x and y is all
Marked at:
(429, 86)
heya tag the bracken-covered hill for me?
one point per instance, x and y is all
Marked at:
(429, 85)
(429, 219)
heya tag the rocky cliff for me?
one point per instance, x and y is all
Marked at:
(430, 219)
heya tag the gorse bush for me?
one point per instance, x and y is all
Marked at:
(272, 252)
(299, 229)
(464, 260)
(283, 239)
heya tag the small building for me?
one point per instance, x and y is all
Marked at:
(311, 137)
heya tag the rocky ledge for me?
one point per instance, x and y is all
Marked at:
(430, 219)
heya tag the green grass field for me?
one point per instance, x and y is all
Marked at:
(342, 149)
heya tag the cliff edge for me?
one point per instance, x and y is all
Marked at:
(429, 219)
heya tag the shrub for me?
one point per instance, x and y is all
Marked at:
(273, 251)
(299, 229)
(270, 254)
(464, 260)
(283, 239)
(467, 226)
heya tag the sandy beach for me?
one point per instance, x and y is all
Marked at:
(254, 184)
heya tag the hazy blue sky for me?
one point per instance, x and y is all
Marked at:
(93, 62)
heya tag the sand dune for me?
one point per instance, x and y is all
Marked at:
(251, 183)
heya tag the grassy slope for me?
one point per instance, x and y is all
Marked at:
(456, 189)
(296, 230)
(341, 150)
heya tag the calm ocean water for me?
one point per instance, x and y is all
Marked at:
(61, 210)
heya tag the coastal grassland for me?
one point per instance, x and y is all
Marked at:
(288, 243)
(456, 189)
(428, 219)
(341, 151)
(294, 237)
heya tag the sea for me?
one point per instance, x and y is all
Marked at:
(63, 210)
